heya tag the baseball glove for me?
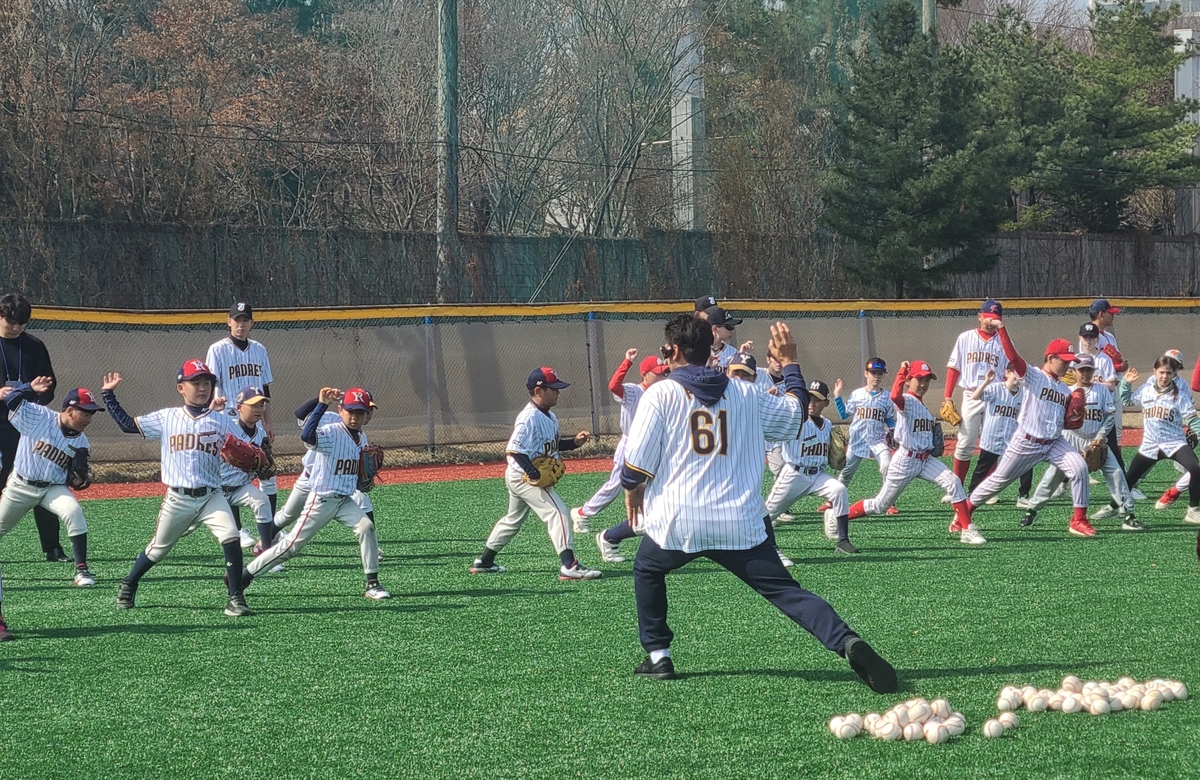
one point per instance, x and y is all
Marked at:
(1070, 378)
(1192, 439)
(242, 455)
(268, 469)
(1095, 455)
(80, 476)
(550, 470)
(939, 441)
(1115, 354)
(839, 437)
(1076, 407)
(890, 439)
(949, 412)
(369, 464)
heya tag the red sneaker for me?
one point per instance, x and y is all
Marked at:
(5, 634)
(958, 526)
(1168, 498)
(893, 510)
(825, 507)
(1081, 527)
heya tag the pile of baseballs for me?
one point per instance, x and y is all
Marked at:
(916, 719)
(1094, 698)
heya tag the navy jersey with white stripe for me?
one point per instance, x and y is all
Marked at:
(44, 452)
(236, 368)
(190, 446)
(336, 459)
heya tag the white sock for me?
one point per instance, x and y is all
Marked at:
(658, 655)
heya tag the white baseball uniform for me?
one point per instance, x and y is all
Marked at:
(237, 369)
(290, 511)
(332, 481)
(1001, 407)
(1097, 422)
(975, 353)
(871, 415)
(238, 485)
(1163, 415)
(535, 433)
(45, 453)
(914, 457)
(631, 393)
(724, 356)
(805, 459)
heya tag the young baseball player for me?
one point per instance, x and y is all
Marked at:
(1172, 494)
(1040, 424)
(1102, 314)
(805, 459)
(191, 436)
(1002, 405)
(536, 434)
(251, 405)
(1099, 417)
(1168, 414)
(916, 454)
(240, 362)
(333, 477)
(723, 327)
(51, 449)
(627, 395)
(699, 434)
(872, 416)
(976, 352)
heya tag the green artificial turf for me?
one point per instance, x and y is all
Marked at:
(522, 676)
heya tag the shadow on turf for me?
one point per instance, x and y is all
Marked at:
(12, 664)
(150, 629)
(905, 675)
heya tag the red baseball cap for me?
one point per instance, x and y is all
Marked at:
(654, 365)
(1060, 348)
(356, 399)
(919, 368)
(81, 398)
(194, 369)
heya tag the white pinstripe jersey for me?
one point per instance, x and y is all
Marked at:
(973, 356)
(629, 401)
(336, 458)
(914, 425)
(725, 356)
(1043, 406)
(871, 414)
(236, 368)
(309, 456)
(810, 448)
(44, 452)
(1105, 370)
(1000, 416)
(235, 477)
(762, 378)
(190, 446)
(1100, 404)
(535, 433)
(1162, 418)
(706, 463)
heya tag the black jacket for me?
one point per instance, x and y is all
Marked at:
(24, 359)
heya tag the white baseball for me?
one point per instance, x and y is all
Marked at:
(1055, 703)
(1181, 691)
(1004, 704)
(1115, 705)
(872, 718)
(887, 731)
(1072, 684)
(993, 728)
(919, 713)
(835, 724)
(1151, 701)
(1168, 693)
(955, 726)
(941, 708)
(901, 717)
(913, 731)
(847, 731)
(1071, 704)
(1127, 681)
(936, 733)
(1130, 700)
(1100, 707)
(856, 719)
(1037, 704)
(1009, 720)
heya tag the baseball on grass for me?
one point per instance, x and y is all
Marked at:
(1100, 707)
(913, 731)
(1071, 704)
(936, 733)
(1009, 720)
(1037, 704)
(847, 731)
(993, 728)
(887, 731)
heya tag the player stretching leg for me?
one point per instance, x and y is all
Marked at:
(872, 417)
(191, 436)
(1169, 414)
(976, 352)
(1002, 405)
(917, 453)
(652, 369)
(237, 484)
(805, 459)
(1172, 495)
(1099, 417)
(1040, 423)
(333, 477)
(535, 435)
(51, 453)
(698, 433)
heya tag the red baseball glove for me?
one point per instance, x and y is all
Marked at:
(1115, 355)
(242, 454)
(1076, 407)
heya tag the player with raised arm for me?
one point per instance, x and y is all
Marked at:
(701, 434)
(535, 440)
(191, 438)
(917, 451)
(1003, 404)
(976, 352)
(872, 417)
(1047, 408)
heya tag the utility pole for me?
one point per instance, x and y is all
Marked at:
(687, 128)
(928, 16)
(447, 146)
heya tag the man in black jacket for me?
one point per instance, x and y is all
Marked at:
(24, 358)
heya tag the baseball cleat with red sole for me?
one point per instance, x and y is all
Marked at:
(1081, 528)
(1168, 498)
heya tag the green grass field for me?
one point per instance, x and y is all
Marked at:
(522, 676)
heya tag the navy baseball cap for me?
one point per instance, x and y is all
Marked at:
(744, 361)
(876, 364)
(819, 390)
(705, 302)
(241, 310)
(1090, 330)
(81, 398)
(718, 316)
(544, 377)
(194, 369)
(251, 395)
(356, 400)
(1100, 306)
(993, 309)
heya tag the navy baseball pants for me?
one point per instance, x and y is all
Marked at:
(758, 567)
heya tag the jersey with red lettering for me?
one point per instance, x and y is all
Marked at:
(1100, 406)
(871, 414)
(44, 451)
(974, 355)
(190, 446)
(1043, 406)
(236, 368)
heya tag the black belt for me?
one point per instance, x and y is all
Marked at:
(1036, 440)
(194, 492)
(807, 471)
(37, 483)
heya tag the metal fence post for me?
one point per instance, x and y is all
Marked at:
(593, 361)
(429, 429)
(862, 336)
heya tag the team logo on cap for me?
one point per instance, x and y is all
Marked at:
(551, 376)
(85, 396)
(925, 367)
(241, 307)
(356, 396)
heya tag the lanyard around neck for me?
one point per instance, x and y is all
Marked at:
(20, 362)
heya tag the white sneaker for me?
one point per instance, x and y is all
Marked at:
(84, 579)
(993, 500)
(830, 525)
(1193, 515)
(609, 552)
(578, 572)
(278, 568)
(947, 499)
(785, 517)
(1137, 495)
(579, 522)
(1058, 491)
(247, 539)
(376, 593)
(1104, 512)
(1022, 503)
(786, 561)
(972, 536)
(1093, 481)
